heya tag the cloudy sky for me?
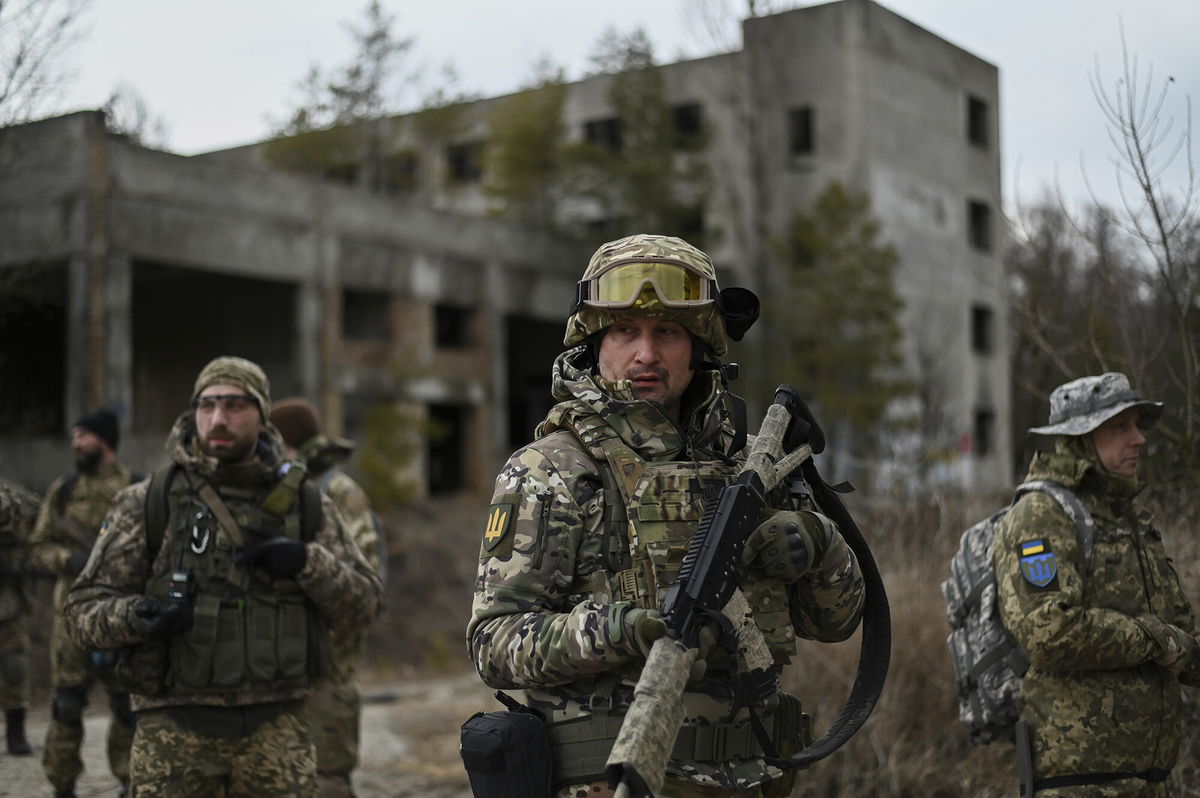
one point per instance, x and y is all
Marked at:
(216, 71)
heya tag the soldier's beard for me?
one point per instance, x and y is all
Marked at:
(88, 462)
(229, 454)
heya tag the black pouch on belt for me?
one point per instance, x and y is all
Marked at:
(507, 753)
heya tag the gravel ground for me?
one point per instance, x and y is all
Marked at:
(409, 742)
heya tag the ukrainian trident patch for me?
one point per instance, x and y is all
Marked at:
(1038, 564)
(499, 522)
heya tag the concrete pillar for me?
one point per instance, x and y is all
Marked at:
(495, 344)
(118, 332)
(308, 337)
(75, 388)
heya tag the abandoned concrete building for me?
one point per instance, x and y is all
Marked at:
(134, 266)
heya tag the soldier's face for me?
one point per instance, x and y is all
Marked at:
(88, 448)
(652, 353)
(228, 430)
(1119, 443)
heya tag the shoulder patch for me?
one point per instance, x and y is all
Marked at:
(497, 533)
(1038, 564)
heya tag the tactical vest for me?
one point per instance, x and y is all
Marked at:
(249, 631)
(652, 511)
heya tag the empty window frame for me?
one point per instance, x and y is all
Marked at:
(801, 130)
(687, 126)
(604, 133)
(977, 121)
(465, 162)
(366, 315)
(451, 326)
(979, 225)
(984, 437)
(982, 320)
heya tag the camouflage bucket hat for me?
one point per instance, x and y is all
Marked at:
(238, 371)
(1079, 406)
(701, 315)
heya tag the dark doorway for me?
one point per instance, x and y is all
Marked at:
(532, 347)
(447, 463)
(182, 318)
(33, 356)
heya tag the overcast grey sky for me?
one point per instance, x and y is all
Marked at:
(216, 70)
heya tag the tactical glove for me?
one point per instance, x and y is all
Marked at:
(1175, 646)
(639, 625)
(280, 556)
(787, 545)
(76, 563)
(153, 618)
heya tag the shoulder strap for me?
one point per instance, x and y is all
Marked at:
(157, 509)
(1072, 506)
(64, 493)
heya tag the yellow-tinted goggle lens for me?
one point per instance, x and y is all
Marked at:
(674, 284)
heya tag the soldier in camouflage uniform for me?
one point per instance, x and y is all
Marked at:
(18, 509)
(70, 517)
(334, 707)
(220, 576)
(1108, 639)
(589, 523)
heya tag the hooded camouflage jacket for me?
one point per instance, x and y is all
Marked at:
(335, 579)
(1094, 697)
(540, 619)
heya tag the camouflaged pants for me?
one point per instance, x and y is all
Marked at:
(72, 677)
(14, 663)
(1129, 788)
(672, 788)
(333, 711)
(276, 760)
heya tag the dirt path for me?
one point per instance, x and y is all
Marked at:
(409, 743)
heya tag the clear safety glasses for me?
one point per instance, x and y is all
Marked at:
(621, 285)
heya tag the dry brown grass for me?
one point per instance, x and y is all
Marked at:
(912, 745)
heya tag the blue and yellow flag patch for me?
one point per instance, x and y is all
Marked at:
(1038, 563)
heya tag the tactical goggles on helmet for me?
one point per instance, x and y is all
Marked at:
(676, 284)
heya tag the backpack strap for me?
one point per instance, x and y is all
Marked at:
(1085, 526)
(64, 493)
(311, 514)
(157, 507)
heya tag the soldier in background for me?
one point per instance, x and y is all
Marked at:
(66, 531)
(588, 525)
(18, 510)
(334, 707)
(1109, 637)
(221, 576)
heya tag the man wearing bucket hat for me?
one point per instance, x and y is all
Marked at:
(219, 577)
(1109, 634)
(588, 525)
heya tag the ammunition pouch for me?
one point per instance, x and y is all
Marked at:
(506, 754)
(581, 745)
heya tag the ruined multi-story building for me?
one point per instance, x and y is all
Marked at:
(387, 281)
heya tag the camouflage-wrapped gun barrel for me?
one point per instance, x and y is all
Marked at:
(706, 587)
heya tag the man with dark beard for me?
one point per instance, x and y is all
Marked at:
(222, 577)
(62, 539)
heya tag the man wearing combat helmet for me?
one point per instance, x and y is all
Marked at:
(1108, 632)
(589, 522)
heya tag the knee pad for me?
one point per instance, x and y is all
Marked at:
(121, 709)
(68, 704)
(13, 668)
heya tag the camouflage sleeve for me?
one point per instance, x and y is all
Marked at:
(525, 630)
(1050, 622)
(338, 579)
(47, 550)
(355, 509)
(114, 579)
(827, 603)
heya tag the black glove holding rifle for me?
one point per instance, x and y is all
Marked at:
(706, 594)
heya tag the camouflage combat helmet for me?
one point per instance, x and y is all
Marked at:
(664, 277)
(1079, 406)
